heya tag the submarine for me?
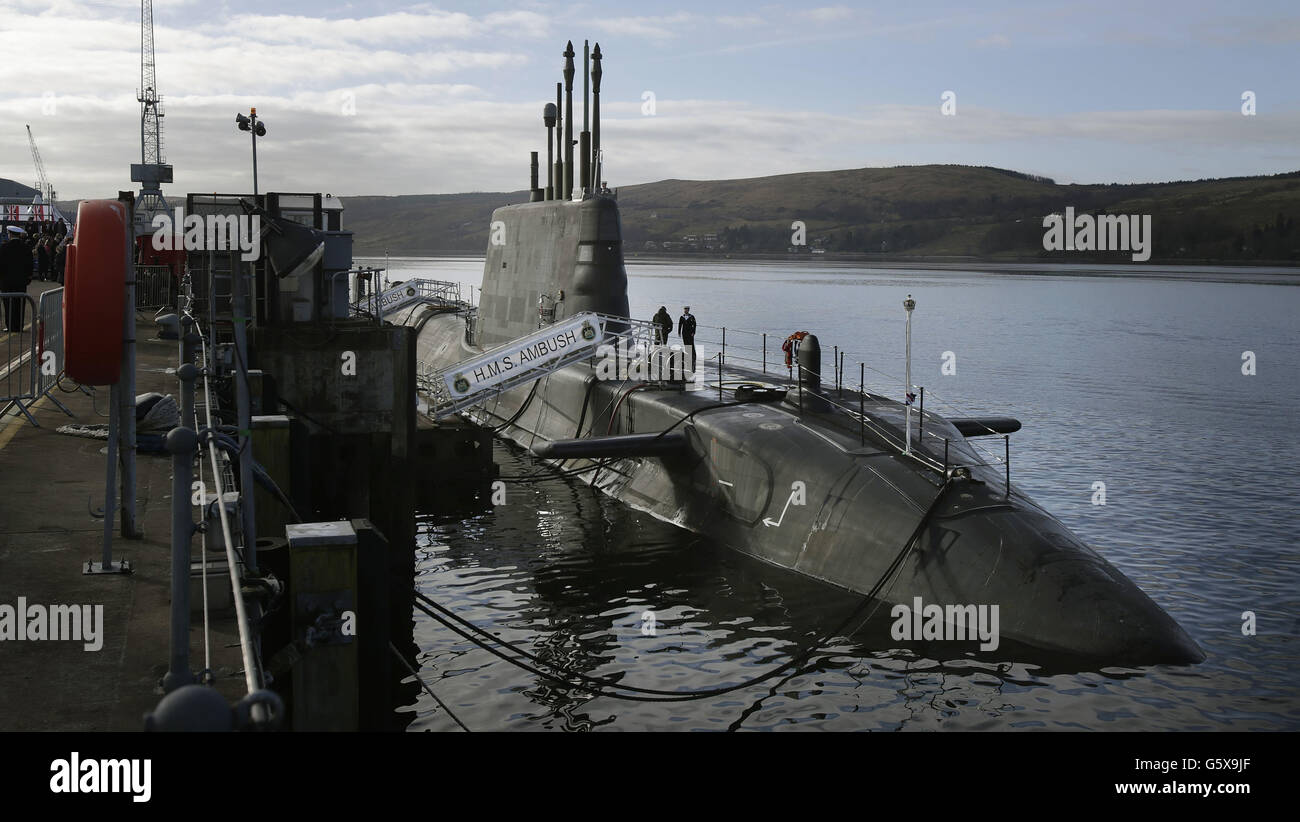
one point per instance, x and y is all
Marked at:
(857, 490)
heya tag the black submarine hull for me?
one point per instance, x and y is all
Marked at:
(800, 488)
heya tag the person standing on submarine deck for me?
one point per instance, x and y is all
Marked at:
(663, 326)
(686, 327)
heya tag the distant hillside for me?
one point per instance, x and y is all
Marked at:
(10, 188)
(423, 223)
(934, 210)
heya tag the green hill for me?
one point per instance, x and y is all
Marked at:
(906, 211)
(931, 211)
(936, 210)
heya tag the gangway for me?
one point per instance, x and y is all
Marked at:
(468, 383)
(407, 294)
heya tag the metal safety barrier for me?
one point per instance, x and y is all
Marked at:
(18, 355)
(155, 286)
(49, 346)
(31, 362)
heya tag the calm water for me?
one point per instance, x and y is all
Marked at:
(1133, 382)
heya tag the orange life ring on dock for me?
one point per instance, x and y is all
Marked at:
(789, 345)
(94, 293)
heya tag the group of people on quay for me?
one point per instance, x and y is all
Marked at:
(29, 250)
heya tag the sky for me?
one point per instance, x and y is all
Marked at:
(399, 98)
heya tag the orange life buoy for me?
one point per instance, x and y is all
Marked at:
(789, 345)
(94, 294)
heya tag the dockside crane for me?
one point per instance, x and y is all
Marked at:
(151, 172)
(42, 182)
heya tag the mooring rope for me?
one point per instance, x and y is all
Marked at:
(427, 689)
(598, 686)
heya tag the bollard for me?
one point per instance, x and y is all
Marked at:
(809, 356)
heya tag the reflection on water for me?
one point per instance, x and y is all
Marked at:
(568, 574)
(1134, 383)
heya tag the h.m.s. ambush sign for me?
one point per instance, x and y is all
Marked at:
(534, 351)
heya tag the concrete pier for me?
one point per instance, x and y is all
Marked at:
(334, 425)
(48, 483)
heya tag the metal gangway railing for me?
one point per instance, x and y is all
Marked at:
(750, 350)
(439, 385)
(263, 706)
(629, 342)
(379, 304)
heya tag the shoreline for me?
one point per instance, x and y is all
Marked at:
(879, 261)
(1241, 274)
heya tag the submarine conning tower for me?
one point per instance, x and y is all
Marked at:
(557, 255)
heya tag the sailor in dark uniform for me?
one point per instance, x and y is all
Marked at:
(663, 326)
(686, 327)
(15, 274)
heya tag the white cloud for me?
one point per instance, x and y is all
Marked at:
(740, 22)
(654, 28)
(438, 111)
(827, 14)
(414, 138)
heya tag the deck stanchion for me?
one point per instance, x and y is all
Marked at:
(181, 442)
(126, 393)
(110, 481)
(920, 425)
(800, 383)
(908, 305)
(862, 402)
(188, 342)
(1006, 438)
(765, 353)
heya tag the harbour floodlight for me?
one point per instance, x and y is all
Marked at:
(258, 129)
